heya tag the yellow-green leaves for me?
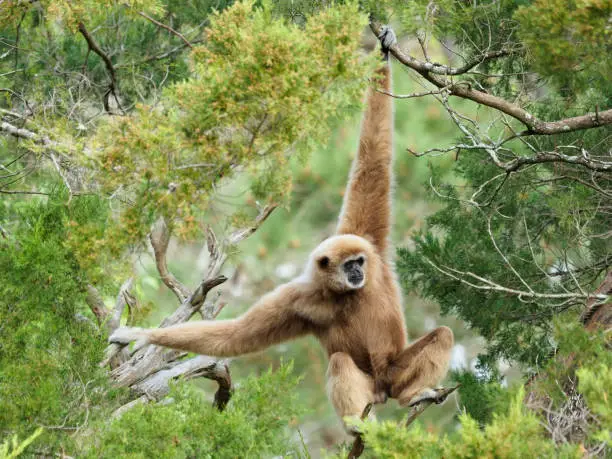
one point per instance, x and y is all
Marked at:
(262, 89)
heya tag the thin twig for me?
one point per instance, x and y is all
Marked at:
(164, 26)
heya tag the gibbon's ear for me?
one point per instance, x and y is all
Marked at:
(323, 262)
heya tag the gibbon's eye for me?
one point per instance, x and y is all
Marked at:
(324, 262)
(360, 261)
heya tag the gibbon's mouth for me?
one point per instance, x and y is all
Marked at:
(356, 281)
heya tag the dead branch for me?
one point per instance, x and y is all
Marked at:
(96, 304)
(160, 237)
(25, 134)
(431, 72)
(241, 234)
(112, 86)
(412, 95)
(164, 26)
(481, 283)
(596, 313)
(150, 369)
(124, 297)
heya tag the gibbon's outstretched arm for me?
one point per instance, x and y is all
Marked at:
(366, 210)
(272, 320)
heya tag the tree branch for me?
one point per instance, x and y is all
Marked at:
(112, 87)
(164, 26)
(96, 304)
(431, 71)
(160, 237)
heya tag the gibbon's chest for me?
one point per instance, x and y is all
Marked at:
(373, 329)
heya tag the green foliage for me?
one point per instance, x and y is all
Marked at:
(255, 423)
(567, 40)
(594, 385)
(263, 89)
(481, 396)
(13, 448)
(50, 349)
(533, 228)
(515, 433)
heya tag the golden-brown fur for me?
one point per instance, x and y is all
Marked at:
(359, 319)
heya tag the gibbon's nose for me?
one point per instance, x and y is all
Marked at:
(353, 272)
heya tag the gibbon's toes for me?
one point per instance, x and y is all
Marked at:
(425, 395)
(387, 38)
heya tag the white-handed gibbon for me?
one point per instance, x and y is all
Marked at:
(348, 295)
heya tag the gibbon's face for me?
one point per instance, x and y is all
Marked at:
(341, 263)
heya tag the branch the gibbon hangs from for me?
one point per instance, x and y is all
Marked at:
(347, 296)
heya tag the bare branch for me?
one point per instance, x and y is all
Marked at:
(164, 26)
(160, 237)
(112, 87)
(25, 134)
(414, 94)
(242, 234)
(486, 284)
(534, 125)
(598, 313)
(96, 304)
(124, 297)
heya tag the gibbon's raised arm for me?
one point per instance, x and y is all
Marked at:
(366, 210)
(270, 321)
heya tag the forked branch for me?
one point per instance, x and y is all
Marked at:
(112, 86)
(435, 74)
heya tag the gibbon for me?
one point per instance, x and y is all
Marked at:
(347, 296)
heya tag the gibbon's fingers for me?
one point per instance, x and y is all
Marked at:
(125, 335)
(387, 38)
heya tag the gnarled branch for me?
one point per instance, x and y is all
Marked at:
(160, 238)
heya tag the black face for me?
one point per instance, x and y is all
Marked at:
(354, 270)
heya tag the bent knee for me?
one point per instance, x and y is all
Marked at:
(338, 363)
(445, 337)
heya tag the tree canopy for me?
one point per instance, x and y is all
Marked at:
(144, 145)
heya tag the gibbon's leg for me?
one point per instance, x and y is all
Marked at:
(271, 320)
(366, 210)
(421, 366)
(349, 389)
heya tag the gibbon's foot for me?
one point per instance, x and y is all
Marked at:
(125, 335)
(351, 424)
(387, 39)
(437, 395)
